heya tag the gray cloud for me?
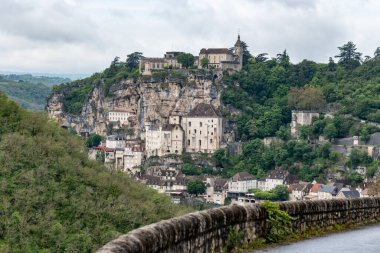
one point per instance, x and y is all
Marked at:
(84, 35)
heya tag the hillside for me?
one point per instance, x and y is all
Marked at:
(28, 95)
(46, 80)
(53, 199)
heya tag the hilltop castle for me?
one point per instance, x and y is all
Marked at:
(218, 58)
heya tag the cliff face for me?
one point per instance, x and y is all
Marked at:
(151, 100)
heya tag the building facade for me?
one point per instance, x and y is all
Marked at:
(203, 129)
(163, 140)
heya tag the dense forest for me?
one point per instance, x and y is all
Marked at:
(266, 91)
(53, 199)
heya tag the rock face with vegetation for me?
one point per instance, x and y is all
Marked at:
(53, 199)
(86, 103)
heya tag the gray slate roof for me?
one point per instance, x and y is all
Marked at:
(203, 110)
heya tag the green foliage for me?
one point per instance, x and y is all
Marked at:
(133, 60)
(29, 95)
(234, 239)
(53, 199)
(357, 158)
(93, 140)
(279, 222)
(279, 193)
(186, 59)
(196, 187)
(348, 56)
(309, 99)
(204, 62)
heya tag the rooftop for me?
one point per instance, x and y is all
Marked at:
(204, 110)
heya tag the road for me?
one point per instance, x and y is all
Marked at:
(364, 240)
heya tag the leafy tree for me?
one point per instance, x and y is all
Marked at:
(332, 65)
(358, 157)
(219, 157)
(377, 52)
(348, 56)
(196, 187)
(111, 71)
(261, 57)
(133, 60)
(283, 59)
(204, 62)
(186, 59)
(330, 131)
(93, 140)
(364, 134)
(246, 53)
(188, 169)
(310, 99)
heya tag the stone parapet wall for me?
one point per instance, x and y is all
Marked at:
(207, 231)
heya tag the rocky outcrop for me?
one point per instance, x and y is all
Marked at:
(153, 101)
(207, 231)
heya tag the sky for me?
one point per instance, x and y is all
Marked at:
(83, 36)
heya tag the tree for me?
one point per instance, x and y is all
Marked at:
(377, 52)
(246, 53)
(283, 59)
(219, 157)
(93, 140)
(330, 131)
(364, 134)
(186, 59)
(261, 57)
(114, 66)
(196, 187)
(310, 99)
(133, 60)
(348, 56)
(204, 62)
(331, 65)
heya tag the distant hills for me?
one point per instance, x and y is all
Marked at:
(29, 91)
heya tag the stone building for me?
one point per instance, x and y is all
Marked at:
(223, 58)
(301, 118)
(119, 115)
(203, 129)
(133, 156)
(147, 64)
(163, 140)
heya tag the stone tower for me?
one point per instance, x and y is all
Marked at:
(239, 51)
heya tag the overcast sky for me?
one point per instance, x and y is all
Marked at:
(83, 36)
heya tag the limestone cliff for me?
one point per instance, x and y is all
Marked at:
(152, 100)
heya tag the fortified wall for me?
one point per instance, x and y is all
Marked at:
(207, 231)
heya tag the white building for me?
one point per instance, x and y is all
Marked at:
(133, 157)
(241, 182)
(119, 115)
(203, 129)
(114, 142)
(163, 140)
(276, 177)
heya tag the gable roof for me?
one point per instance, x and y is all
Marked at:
(278, 173)
(328, 189)
(315, 188)
(351, 194)
(203, 110)
(242, 176)
(215, 51)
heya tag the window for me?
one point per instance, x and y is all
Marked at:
(200, 124)
(195, 131)
(212, 120)
(212, 133)
(200, 132)
(188, 142)
(189, 124)
(200, 143)
(210, 140)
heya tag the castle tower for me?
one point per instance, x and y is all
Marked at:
(239, 51)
